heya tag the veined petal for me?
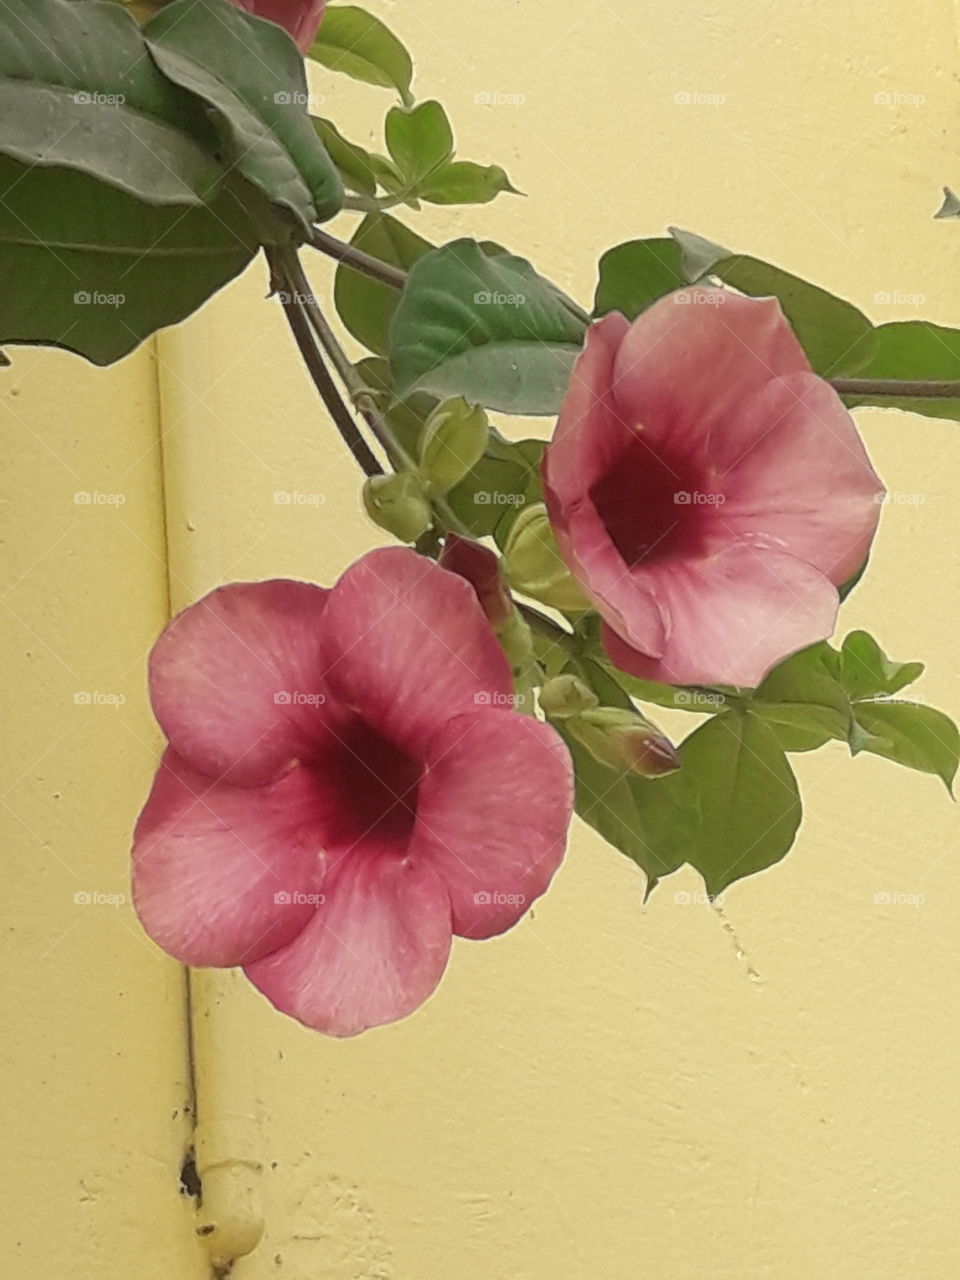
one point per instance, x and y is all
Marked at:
(235, 679)
(407, 645)
(732, 616)
(691, 361)
(805, 486)
(372, 953)
(225, 874)
(492, 816)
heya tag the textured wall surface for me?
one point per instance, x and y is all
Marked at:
(613, 1088)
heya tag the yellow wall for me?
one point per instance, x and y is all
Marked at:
(612, 1089)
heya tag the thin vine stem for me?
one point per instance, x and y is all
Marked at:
(912, 388)
(365, 263)
(302, 331)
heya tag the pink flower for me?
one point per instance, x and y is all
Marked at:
(708, 491)
(299, 18)
(341, 793)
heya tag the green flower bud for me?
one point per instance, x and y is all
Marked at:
(516, 640)
(626, 741)
(565, 696)
(534, 565)
(454, 438)
(398, 503)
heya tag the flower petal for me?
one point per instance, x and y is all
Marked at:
(234, 679)
(372, 953)
(407, 645)
(806, 485)
(689, 363)
(218, 870)
(732, 617)
(492, 816)
(590, 436)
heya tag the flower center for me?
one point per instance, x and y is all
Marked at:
(370, 787)
(654, 504)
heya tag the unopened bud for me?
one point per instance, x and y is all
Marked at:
(626, 741)
(454, 438)
(398, 504)
(516, 640)
(535, 566)
(481, 568)
(565, 696)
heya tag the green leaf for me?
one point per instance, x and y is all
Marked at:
(837, 338)
(651, 821)
(88, 268)
(487, 328)
(77, 92)
(912, 735)
(803, 700)
(913, 349)
(366, 306)
(867, 672)
(746, 795)
(419, 140)
(359, 45)
(463, 182)
(234, 62)
(494, 486)
(357, 168)
(636, 274)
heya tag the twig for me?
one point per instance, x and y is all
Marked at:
(300, 327)
(356, 258)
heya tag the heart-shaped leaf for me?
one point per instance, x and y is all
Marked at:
(419, 140)
(746, 795)
(486, 327)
